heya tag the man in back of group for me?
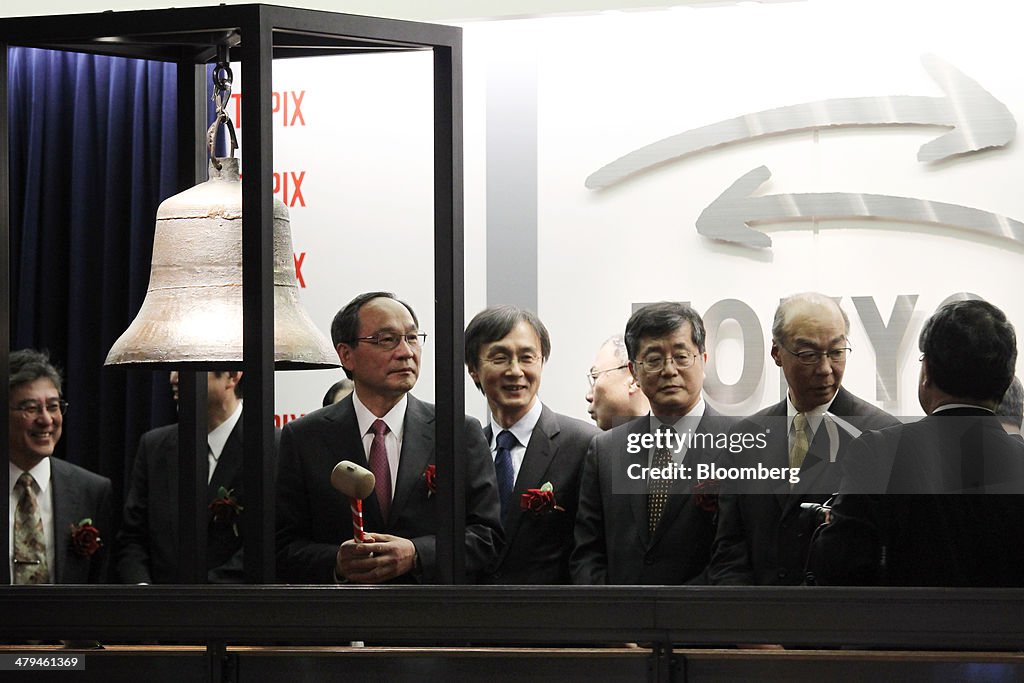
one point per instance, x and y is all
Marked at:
(614, 396)
(538, 453)
(382, 427)
(651, 530)
(764, 532)
(338, 391)
(940, 501)
(148, 540)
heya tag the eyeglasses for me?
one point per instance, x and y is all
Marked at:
(391, 340)
(503, 361)
(594, 374)
(33, 409)
(654, 364)
(814, 357)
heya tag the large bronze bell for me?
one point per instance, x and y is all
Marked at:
(192, 312)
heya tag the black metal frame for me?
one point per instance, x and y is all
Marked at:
(922, 618)
(919, 618)
(189, 37)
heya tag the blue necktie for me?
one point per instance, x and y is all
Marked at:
(503, 468)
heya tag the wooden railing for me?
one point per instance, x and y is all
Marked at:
(705, 616)
(251, 633)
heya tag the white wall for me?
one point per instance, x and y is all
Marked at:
(610, 83)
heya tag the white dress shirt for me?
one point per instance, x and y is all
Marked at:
(954, 406)
(682, 425)
(522, 430)
(217, 438)
(395, 420)
(815, 417)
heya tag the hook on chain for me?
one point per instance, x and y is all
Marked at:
(222, 78)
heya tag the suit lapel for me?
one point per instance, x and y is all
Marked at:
(540, 453)
(638, 502)
(842, 404)
(679, 491)
(170, 484)
(350, 447)
(229, 463)
(816, 464)
(67, 503)
(780, 458)
(777, 452)
(417, 452)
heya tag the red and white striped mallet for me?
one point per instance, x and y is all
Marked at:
(357, 483)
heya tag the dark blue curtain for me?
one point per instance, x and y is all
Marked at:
(92, 148)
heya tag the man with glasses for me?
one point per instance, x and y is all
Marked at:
(60, 524)
(635, 527)
(765, 526)
(538, 454)
(382, 427)
(937, 502)
(614, 395)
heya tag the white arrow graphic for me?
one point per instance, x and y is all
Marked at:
(978, 119)
(730, 216)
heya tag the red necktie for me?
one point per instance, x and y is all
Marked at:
(380, 468)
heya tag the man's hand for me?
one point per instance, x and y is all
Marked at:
(380, 558)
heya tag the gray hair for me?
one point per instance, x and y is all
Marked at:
(793, 304)
(618, 343)
(660, 319)
(28, 365)
(1012, 405)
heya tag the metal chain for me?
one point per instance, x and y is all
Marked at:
(222, 79)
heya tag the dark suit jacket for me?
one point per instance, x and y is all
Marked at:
(613, 545)
(148, 540)
(77, 494)
(537, 546)
(313, 518)
(927, 504)
(763, 534)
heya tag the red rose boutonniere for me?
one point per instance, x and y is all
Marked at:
(85, 538)
(430, 476)
(225, 508)
(540, 501)
(705, 495)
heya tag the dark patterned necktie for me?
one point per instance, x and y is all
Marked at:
(503, 469)
(657, 489)
(380, 468)
(29, 540)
